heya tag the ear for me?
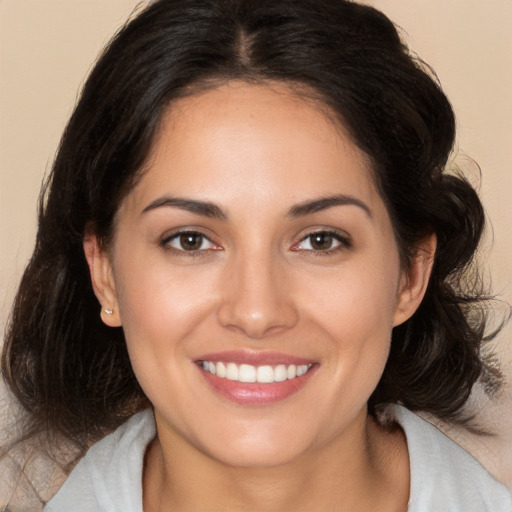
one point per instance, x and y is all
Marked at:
(102, 278)
(414, 281)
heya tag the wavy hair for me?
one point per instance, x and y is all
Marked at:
(70, 371)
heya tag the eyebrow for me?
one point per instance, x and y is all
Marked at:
(324, 203)
(211, 210)
(202, 208)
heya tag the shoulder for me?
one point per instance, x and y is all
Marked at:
(444, 477)
(109, 477)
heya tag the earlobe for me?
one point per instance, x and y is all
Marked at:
(414, 282)
(100, 269)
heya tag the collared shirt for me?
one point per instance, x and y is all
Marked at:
(444, 477)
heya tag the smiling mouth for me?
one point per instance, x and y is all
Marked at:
(247, 373)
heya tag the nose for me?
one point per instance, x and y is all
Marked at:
(257, 299)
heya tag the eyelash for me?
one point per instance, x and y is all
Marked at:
(166, 243)
(343, 243)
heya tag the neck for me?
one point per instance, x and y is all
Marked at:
(363, 470)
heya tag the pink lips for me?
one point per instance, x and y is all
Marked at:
(255, 393)
(254, 358)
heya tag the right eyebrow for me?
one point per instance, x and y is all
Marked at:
(203, 208)
(324, 203)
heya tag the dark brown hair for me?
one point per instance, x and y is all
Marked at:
(70, 371)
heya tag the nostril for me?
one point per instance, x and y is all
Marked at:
(254, 297)
(257, 322)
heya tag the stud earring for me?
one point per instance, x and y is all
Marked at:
(109, 311)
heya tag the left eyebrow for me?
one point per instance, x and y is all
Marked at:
(203, 208)
(324, 203)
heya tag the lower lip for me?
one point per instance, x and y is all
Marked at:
(256, 394)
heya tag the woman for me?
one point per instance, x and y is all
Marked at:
(249, 254)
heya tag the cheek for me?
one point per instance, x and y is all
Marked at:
(160, 318)
(356, 300)
(159, 307)
(355, 309)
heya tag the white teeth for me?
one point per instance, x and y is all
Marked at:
(302, 369)
(261, 374)
(265, 374)
(280, 373)
(232, 371)
(221, 370)
(292, 371)
(246, 373)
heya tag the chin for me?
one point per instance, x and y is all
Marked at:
(257, 455)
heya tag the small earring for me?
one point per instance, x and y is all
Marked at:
(109, 311)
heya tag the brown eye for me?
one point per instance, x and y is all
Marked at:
(189, 241)
(321, 241)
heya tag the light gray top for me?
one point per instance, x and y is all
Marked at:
(444, 477)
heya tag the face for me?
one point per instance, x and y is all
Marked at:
(256, 276)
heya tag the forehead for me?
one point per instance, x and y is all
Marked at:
(243, 140)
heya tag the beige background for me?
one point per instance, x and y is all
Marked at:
(48, 46)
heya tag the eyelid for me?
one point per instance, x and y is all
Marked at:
(343, 238)
(175, 234)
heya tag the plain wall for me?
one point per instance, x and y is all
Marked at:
(48, 46)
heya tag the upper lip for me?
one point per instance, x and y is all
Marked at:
(254, 358)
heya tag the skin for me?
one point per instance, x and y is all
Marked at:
(258, 284)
